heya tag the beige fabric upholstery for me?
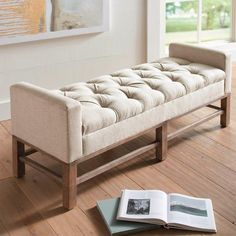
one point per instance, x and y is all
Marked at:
(228, 70)
(112, 98)
(83, 118)
(47, 120)
(134, 125)
(205, 56)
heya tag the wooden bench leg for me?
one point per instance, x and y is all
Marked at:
(161, 138)
(225, 106)
(18, 150)
(69, 175)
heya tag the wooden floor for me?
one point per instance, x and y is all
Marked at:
(201, 163)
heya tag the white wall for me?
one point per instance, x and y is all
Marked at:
(156, 29)
(54, 63)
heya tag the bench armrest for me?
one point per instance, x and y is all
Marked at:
(206, 56)
(47, 120)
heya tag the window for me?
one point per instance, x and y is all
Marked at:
(195, 21)
(189, 21)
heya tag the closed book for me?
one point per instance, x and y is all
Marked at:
(108, 210)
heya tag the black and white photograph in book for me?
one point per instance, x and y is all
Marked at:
(138, 207)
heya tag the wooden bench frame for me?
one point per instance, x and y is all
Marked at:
(69, 177)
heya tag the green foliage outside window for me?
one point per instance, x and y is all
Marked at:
(215, 15)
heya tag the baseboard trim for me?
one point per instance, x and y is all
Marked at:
(5, 113)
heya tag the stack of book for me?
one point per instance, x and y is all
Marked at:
(142, 210)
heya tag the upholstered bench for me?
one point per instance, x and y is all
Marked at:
(79, 121)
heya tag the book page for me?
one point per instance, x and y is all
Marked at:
(143, 206)
(195, 213)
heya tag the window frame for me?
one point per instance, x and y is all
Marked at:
(233, 22)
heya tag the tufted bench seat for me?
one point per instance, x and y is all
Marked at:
(79, 121)
(109, 99)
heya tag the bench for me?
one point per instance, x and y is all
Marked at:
(80, 121)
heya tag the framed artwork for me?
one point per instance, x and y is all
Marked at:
(30, 20)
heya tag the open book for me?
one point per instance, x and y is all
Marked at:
(170, 210)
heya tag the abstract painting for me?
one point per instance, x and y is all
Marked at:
(27, 20)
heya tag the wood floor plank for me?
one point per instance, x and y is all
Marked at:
(5, 154)
(114, 181)
(18, 215)
(4, 173)
(150, 178)
(225, 136)
(88, 194)
(199, 185)
(7, 125)
(216, 151)
(205, 166)
(46, 197)
(213, 149)
(3, 230)
(213, 130)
